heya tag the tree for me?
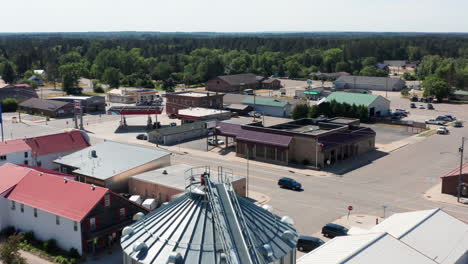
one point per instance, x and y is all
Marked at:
(408, 76)
(293, 68)
(9, 251)
(368, 71)
(70, 73)
(435, 86)
(111, 76)
(8, 72)
(168, 84)
(9, 105)
(405, 92)
(300, 111)
(369, 61)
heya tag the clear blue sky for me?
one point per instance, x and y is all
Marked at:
(234, 15)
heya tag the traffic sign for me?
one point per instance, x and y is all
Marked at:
(350, 207)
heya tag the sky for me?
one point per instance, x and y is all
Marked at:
(234, 15)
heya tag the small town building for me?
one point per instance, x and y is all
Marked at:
(460, 95)
(311, 94)
(42, 151)
(369, 83)
(131, 96)
(377, 104)
(329, 76)
(89, 104)
(190, 115)
(365, 249)
(268, 106)
(37, 79)
(434, 233)
(451, 180)
(238, 83)
(111, 164)
(183, 100)
(239, 109)
(166, 184)
(40, 72)
(50, 108)
(318, 142)
(20, 92)
(382, 66)
(77, 215)
(172, 135)
(209, 223)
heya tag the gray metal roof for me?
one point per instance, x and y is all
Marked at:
(43, 104)
(367, 80)
(174, 177)
(112, 158)
(187, 226)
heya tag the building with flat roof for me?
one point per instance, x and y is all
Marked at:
(20, 92)
(237, 83)
(318, 142)
(111, 164)
(369, 83)
(183, 100)
(189, 115)
(376, 104)
(166, 184)
(131, 95)
(172, 135)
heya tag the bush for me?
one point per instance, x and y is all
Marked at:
(405, 92)
(50, 246)
(9, 105)
(73, 253)
(61, 260)
(29, 237)
(98, 88)
(8, 231)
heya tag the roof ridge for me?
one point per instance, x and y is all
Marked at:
(420, 223)
(362, 248)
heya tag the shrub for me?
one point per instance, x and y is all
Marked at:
(98, 89)
(61, 260)
(404, 92)
(50, 246)
(9, 105)
(73, 253)
(29, 237)
(8, 231)
(9, 251)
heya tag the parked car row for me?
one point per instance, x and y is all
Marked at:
(309, 243)
(441, 120)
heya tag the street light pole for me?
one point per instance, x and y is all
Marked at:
(460, 179)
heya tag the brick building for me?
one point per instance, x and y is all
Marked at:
(450, 181)
(183, 100)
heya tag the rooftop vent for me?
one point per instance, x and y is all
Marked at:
(267, 207)
(164, 172)
(93, 187)
(138, 216)
(127, 231)
(287, 220)
(288, 235)
(174, 258)
(93, 154)
(139, 246)
(267, 251)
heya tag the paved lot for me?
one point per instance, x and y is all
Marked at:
(390, 133)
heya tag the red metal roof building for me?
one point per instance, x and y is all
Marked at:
(12, 146)
(56, 143)
(450, 181)
(75, 214)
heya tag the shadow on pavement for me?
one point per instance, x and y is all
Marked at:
(131, 129)
(343, 167)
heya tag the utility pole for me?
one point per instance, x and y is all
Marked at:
(386, 86)
(460, 176)
(248, 158)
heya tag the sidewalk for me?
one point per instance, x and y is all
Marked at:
(434, 194)
(390, 147)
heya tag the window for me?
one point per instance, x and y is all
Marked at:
(57, 220)
(22, 208)
(122, 213)
(3, 157)
(107, 200)
(92, 223)
(25, 154)
(39, 163)
(13, 205)
(26, 162)
(35, 212)
(75, 226)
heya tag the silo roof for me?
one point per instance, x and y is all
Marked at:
(186, 226)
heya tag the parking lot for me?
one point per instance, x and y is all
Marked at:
(387, 134)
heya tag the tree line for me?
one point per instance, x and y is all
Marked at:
(331, 109)
(146, 60)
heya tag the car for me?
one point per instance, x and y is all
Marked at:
(457, 124)
(430, 107)
(334, 230)
(421, 106)
(435, 122)
(398, 110)
(173, 124)
(443, 118)
(413, 105)
(451, 117)
(289, 183)
(308, 243)
(254, 114)
(414, 99)
(142, 137)
(442, 130)
(215, 142)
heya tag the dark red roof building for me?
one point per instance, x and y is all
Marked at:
(450, 181)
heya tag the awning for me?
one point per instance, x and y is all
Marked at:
(264, 138)
(311, 93)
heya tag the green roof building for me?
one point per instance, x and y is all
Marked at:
(268, 106)
(377, 104)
